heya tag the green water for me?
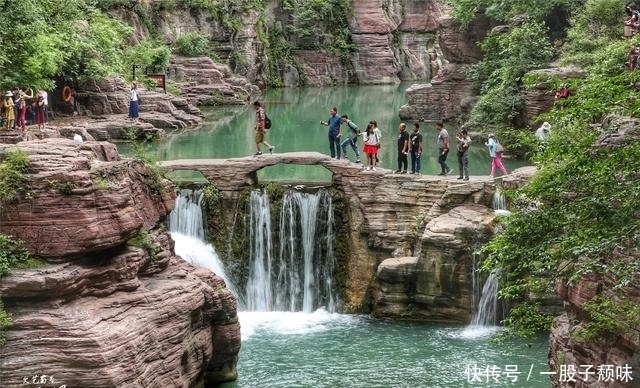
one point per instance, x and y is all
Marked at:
(296, 114)
(323, 350)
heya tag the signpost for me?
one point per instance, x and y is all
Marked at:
(160, 80)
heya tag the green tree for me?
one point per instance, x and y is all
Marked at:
(507, 57)
(501, 10)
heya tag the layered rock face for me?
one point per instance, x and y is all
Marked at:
(447, 94)
(437, 285)
(105, 312)
(410, 238)
(105, 106)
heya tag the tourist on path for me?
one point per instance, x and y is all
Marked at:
(350, 139)
(443, 149)
(371, 145)
(133, 102)
(260, 129)
(334, 122)
(8, 110)
(415, 143)
(22, 106)
(463, 144)
(403, 149)
(495, 151)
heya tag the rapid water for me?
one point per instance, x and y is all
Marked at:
(300, 276)
(322, 349)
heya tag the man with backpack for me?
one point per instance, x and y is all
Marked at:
(351, 138)
(261, 128)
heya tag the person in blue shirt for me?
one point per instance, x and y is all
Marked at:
(334, 123)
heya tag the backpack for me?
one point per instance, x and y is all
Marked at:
(267, 121)
(499, 148)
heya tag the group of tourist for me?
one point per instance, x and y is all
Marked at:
(408, 144)
(19, 103)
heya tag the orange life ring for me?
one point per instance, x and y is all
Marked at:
(66, 94)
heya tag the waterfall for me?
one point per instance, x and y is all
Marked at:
(487, 312)
(300, 276)
(500, 203)
(187, 231)
(258, 292)
(186, 217)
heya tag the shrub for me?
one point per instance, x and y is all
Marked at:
(192, 44)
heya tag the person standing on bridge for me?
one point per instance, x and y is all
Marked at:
(443, 149)
(351, 138)
(403, 149)
(260, 129)
(334, 123)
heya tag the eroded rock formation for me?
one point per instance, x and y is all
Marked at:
(447, 95)
(426, 225)
(114, 306)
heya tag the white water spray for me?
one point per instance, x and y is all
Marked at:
(187, 231)
(300, 276)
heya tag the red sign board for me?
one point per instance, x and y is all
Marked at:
(160, 80)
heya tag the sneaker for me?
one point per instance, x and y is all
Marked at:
(403, 172)
(442, 174)
(257, 153)
(459, 177)
(397, 172)
(358, 161)
(271, 149)
(448, 172)
(369, 168)
(374, 169)
(466, 179)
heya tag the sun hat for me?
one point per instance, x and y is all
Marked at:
(8, 94)
(492, 135)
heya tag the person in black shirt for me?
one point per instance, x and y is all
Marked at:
(415, 143)
(403, 149)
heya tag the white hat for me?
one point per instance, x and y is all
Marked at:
(492, 135)
(546, 126)
(8, 94)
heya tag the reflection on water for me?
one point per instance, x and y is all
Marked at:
(296, 114)
(324, 350)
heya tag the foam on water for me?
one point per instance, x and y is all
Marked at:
(291, 323)
(473, 332)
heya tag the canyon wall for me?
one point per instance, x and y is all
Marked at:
(113, 305)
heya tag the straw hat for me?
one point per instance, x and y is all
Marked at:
(8, 94)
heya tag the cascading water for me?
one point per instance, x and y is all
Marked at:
(500, 203)
(487, 312)
(300, 277)
(187, 231)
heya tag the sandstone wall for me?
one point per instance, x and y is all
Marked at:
(103, 311)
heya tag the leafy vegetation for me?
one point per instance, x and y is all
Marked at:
(144, 240)
(507, 57)
(192, 44)
(13, 176)
(579, 216)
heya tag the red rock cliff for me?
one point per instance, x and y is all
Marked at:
(103, 312)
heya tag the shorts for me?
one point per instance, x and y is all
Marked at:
(259, 137)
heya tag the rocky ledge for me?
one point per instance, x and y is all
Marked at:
(113, 306)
